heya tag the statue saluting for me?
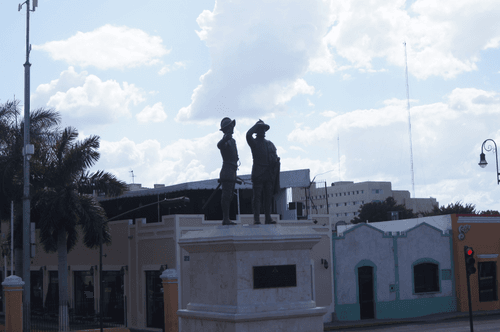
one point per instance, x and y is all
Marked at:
(265, 171)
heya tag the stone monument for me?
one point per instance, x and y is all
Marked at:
(265, 170)
(251, 278)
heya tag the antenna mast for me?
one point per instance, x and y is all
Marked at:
(132, 175)
(409, 123)
(338, 149)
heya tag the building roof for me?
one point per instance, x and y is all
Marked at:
(288, 179)
(442, 222)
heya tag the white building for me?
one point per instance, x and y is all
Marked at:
(343, 199)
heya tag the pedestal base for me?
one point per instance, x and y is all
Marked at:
(308, 320)
(255, 278)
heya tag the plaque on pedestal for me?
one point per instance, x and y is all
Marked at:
(254, 278)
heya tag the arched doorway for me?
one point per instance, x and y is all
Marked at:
(366, 293)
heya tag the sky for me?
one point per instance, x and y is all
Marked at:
(153, 79)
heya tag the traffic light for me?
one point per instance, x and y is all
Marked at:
(469, 260)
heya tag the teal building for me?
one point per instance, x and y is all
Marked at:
(394, 269)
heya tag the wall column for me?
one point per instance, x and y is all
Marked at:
(13, 288)
(170, 298)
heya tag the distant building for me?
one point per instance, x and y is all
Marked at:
(199, 193)
(343, 199)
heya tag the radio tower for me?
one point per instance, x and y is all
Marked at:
(409, 123)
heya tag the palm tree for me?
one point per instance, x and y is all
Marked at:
(43, 128)
(66, 203)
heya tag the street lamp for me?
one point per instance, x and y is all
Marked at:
(166, 201)
(482, 157)
(27, 152)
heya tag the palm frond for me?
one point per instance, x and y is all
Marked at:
(92, 218)
(102, 182)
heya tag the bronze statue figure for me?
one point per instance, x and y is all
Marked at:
(227, 177)
(265, 171)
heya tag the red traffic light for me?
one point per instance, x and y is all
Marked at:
(470, 252)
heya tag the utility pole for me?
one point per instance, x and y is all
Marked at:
(28, 151)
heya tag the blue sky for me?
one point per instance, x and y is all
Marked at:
(154, 79)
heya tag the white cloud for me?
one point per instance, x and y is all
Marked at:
(443, 38)
(447, 138)
(153, 113)
(259, 52)
(181, 161)
(107, 47)
(169, 68)
(86, 99)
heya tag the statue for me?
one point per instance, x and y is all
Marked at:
(265, 171)
(227, 177)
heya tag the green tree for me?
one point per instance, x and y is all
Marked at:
(490, 213)
(66, 203)
(381, 211)
(458, 208)
(43, 127)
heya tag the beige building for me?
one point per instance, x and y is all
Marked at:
(138, 254)
(342, 200)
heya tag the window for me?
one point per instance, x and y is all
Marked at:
(338, 214)
(487, 281)
(346, 214)
(345, 204)
(377, 191)
(357, 192)
(337, 204)
(426, 278)
(362, 191)
(349, 193)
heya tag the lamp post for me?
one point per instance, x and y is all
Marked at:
(165, 201)
(482, 157)
(28, 151)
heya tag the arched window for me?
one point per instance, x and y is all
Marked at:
(426, 278)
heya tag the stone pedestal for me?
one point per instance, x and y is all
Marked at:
(13, 288)
(251, 278)
(170, 299)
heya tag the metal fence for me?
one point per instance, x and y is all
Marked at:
(83, 315)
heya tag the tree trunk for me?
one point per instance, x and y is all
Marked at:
(18, 262)
(62, 262)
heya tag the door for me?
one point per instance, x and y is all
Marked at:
(52, 299)
(113, 296)
(36, 290)
(154, 300)
(84, 293)
(366, 295)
